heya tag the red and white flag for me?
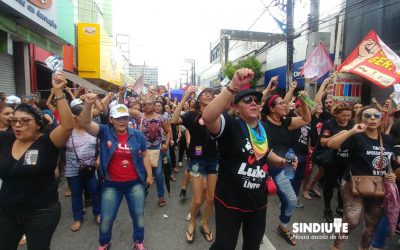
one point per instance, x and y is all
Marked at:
(138, 86)
(373, 60)
(318, 64)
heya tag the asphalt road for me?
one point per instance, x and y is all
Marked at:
(165, 227)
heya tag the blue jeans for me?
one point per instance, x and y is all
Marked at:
(76, 184)
(300, 174)
(381, 232)
(111, 198)
(159, 175)
(286, 194)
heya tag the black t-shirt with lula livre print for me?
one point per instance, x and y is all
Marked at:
(201, 144)
(365, 155)
(28, 182)
(241, 177)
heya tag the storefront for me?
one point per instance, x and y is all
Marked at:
(99, 61)
(24, 26)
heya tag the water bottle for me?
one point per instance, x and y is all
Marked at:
(289, 168)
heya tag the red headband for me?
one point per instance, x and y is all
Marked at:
(272, 99)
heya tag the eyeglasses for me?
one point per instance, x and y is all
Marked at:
(122, 119)
(23, 121)
(250, 99)
(369, 115)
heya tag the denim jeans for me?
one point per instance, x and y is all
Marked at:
(159, 175)
(287, 196)
(77, 184)
(37, 224)
(300, 174)
(381, 232)
(111, 197)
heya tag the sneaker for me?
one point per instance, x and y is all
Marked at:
(339, 212)
(180, 164)
(328, 216)
(299, 204)
(188, 217)
(183, 194)
(104, 247)
(139, 246)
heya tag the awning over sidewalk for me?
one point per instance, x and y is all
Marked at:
(84, 83)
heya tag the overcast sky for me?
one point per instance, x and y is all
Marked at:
(164, 33)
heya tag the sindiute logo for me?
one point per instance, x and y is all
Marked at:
(43, 4)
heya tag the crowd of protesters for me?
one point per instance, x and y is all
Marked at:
(240, 146)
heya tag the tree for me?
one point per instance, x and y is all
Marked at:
(250, 62)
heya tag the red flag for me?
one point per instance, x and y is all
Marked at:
(138, 86)
(318, 64)
(373, 60)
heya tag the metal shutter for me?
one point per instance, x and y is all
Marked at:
(7, 74)
(381, 94)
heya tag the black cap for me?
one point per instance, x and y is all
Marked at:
(247, 92)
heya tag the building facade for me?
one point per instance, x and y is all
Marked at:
(150, 74)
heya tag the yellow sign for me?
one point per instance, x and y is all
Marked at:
(89, 50)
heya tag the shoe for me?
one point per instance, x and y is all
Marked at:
(299, 204)
(175, 170)
(339, 212)
(180, 164)
(139, 246)
(104, 247)
(188, 217)
(328, 216)
(183, 194)
(398, 229)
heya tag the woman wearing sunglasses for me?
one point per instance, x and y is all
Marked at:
(366, 145)
(124, 170)
(28, 157)
(278, 127)
(240, 194)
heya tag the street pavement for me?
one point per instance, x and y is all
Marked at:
(165, 227)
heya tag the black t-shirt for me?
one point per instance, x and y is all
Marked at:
(278, 135)
(300, 139)
(326, 116)
(316, 128)
(201, 145)
(365, 154)
(28, 182)
(241, 178)
(330, 129)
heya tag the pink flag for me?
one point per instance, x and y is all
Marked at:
(185, 87)
(138, 86)
(318, 64)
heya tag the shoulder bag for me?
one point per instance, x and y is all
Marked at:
(366, 185)
(86, 170)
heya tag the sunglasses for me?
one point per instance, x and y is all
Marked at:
(23, 121)
(250, 99)
(369, 115)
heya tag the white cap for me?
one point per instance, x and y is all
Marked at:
(12, 99)
(119, 110)
(76, 102)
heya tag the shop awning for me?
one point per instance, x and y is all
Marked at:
(84, 83)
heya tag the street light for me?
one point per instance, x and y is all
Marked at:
(193, 68)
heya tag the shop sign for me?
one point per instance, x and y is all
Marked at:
(42, 12)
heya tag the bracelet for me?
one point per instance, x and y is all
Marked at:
(58, 98)
(234, 92)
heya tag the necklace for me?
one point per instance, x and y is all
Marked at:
(275, 121)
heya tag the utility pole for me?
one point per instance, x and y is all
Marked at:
(313, 25)
(289, 42)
